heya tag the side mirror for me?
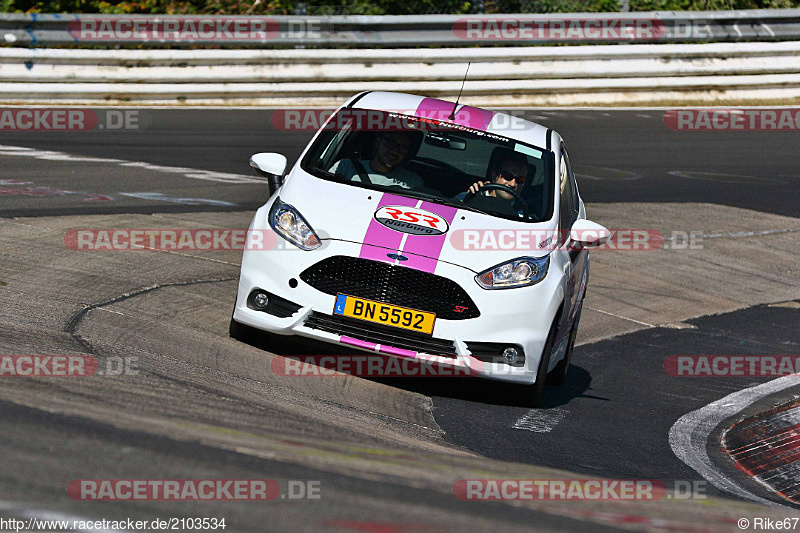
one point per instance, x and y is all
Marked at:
(272, 166)
(588, 234)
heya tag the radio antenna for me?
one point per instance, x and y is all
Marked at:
(453, 114)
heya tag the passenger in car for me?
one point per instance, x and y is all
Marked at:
(387, 167)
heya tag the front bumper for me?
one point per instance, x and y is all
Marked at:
(520, 317)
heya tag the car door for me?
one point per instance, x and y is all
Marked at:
(574, 261)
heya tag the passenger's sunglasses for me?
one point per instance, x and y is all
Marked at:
(508, 176)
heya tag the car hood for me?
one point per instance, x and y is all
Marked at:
(410, 232)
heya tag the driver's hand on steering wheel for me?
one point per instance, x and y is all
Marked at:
(475, 187)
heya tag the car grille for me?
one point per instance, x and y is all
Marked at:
(388, 336)
(391, 284)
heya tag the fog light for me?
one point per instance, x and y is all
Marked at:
(260, 301)
(510, 355)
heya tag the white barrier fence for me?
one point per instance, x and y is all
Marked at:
(153, 31)
(624, 74)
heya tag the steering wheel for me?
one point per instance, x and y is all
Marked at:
(526, 213)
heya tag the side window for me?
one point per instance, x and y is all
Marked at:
(569, 202)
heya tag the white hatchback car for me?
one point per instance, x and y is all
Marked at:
(418, 228)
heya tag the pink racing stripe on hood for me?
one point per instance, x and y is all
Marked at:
(471, 117)
(378, 236)
(429, 246)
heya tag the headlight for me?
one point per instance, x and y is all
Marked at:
(517, 273)
(290, 224)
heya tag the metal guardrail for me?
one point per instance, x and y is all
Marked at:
(397, 31)
(625, 74)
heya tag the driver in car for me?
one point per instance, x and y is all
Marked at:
(392, 150)
(511, 171)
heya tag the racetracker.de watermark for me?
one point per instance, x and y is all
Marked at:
(559, 29)
(436, 119)
(691, 366)
(192, 490)
(623, 239)
(211, 239)
(72, 119)
(217, 239)
(558, 489)
(38, 366)
(182, 29)
(408, 365)
(779, 119)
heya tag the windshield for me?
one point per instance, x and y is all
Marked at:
(436, 161)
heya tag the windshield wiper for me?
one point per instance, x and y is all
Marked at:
(320, 173)
(469, 208)
(443, 201)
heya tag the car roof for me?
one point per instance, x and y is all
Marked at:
(476, 118)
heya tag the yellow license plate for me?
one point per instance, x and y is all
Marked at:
(381, 313)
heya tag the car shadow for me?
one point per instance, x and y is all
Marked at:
(491, 392)
(466, 388)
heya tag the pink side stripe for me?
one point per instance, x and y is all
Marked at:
(358, 342)
(398, 351)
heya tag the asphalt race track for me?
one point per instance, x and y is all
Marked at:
(624, 156)
(384, 452)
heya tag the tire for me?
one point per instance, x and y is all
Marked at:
(532, 395)
(250, 335)
(240, 332)
(236, 331)
(559, 374)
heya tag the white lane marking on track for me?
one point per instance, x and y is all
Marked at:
(689, 435)
(205, 175)
(540, 420)
(185, 201)
(52, 516)
(622, 317)
(591, 172)
(724, 177)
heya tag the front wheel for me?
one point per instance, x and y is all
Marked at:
(237, 331)
(532, 395)
(559, 374)
(240, 332)
(250, 335)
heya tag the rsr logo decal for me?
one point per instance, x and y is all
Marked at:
(411, 220)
